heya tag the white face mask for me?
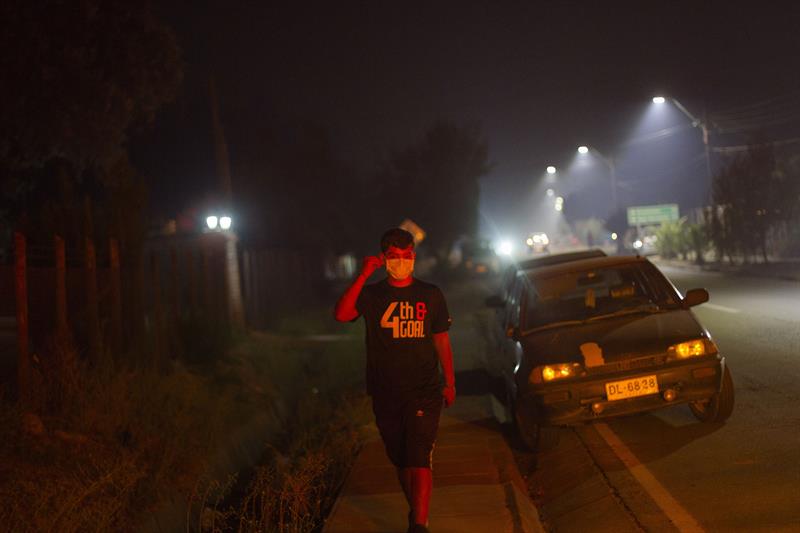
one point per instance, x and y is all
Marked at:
(399, 269)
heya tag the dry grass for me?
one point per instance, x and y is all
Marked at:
(295, 487)
(112, 443)
(118, 440)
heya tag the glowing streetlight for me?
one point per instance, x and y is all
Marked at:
(583, 149)
(550, 192)
(505, 248)
(551, 169)
(211, 222)
(659, 99)
(225, 223)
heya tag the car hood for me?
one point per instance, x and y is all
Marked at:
(612, 339)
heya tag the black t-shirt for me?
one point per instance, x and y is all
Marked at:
(401, 321)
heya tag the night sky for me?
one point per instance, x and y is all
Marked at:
(540, 77)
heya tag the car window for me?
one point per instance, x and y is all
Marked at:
(594, 293)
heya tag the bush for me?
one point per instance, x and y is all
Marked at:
(670, 239)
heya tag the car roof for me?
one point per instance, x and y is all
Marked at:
(585, 264)
(555, 259)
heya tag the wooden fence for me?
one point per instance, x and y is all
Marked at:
(110, 305)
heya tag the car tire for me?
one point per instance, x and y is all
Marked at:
(719, 407)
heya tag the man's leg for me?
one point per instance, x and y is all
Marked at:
(421, 487)
(404, 476)
(423, 423)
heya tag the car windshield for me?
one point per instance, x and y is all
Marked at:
(595, 295)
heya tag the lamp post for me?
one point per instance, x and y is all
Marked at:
(612, 170)
(696, 123)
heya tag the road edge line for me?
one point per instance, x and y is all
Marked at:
(722, 308)
(679, 516)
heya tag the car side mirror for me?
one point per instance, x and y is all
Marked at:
(695, 297)
(495, 301)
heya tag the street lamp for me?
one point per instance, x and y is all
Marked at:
(225, 223)
(211, 222)
(551, 169)
(696, 122)
(612, 169)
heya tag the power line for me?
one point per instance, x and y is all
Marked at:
(656, 135)
(758, 107)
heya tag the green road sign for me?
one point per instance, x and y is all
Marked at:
(652, 214)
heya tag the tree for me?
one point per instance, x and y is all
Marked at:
(300, 163)
(435, 182)
(698, 241)
(751, 195)
(77, 77)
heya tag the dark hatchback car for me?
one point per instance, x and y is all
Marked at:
(600, 337)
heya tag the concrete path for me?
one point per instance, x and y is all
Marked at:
(477, 487)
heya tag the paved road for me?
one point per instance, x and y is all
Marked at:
(664, 471)
(744, 475)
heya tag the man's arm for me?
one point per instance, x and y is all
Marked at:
(445, 352)
(346, 306)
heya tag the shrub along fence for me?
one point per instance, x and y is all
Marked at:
(180, 296)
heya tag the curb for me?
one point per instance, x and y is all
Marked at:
(733, 271)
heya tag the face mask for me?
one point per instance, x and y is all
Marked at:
(399, 268)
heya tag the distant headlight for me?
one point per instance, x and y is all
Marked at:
(549, 373)
(692, 348)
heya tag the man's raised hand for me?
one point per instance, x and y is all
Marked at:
(370, 264)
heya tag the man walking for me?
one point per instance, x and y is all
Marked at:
(406, 323)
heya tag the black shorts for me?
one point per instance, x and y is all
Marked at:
(408, 429)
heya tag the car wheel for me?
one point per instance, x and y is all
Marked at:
(720, 406)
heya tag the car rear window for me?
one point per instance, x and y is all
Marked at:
(595, 293)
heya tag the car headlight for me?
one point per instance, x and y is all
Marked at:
(692, 348)
(548, 373)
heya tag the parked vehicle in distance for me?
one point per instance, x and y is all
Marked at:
(600, 337)
(479, 258)
(538, 243)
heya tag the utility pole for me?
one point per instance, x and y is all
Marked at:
(612, 167)
(232, 282)
(612, 171)
(703, 125)
(706, 143)
(221, 147)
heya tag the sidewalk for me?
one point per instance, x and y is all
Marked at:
(786, 269)
(476, 484)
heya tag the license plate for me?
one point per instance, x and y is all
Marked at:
(630, 388)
